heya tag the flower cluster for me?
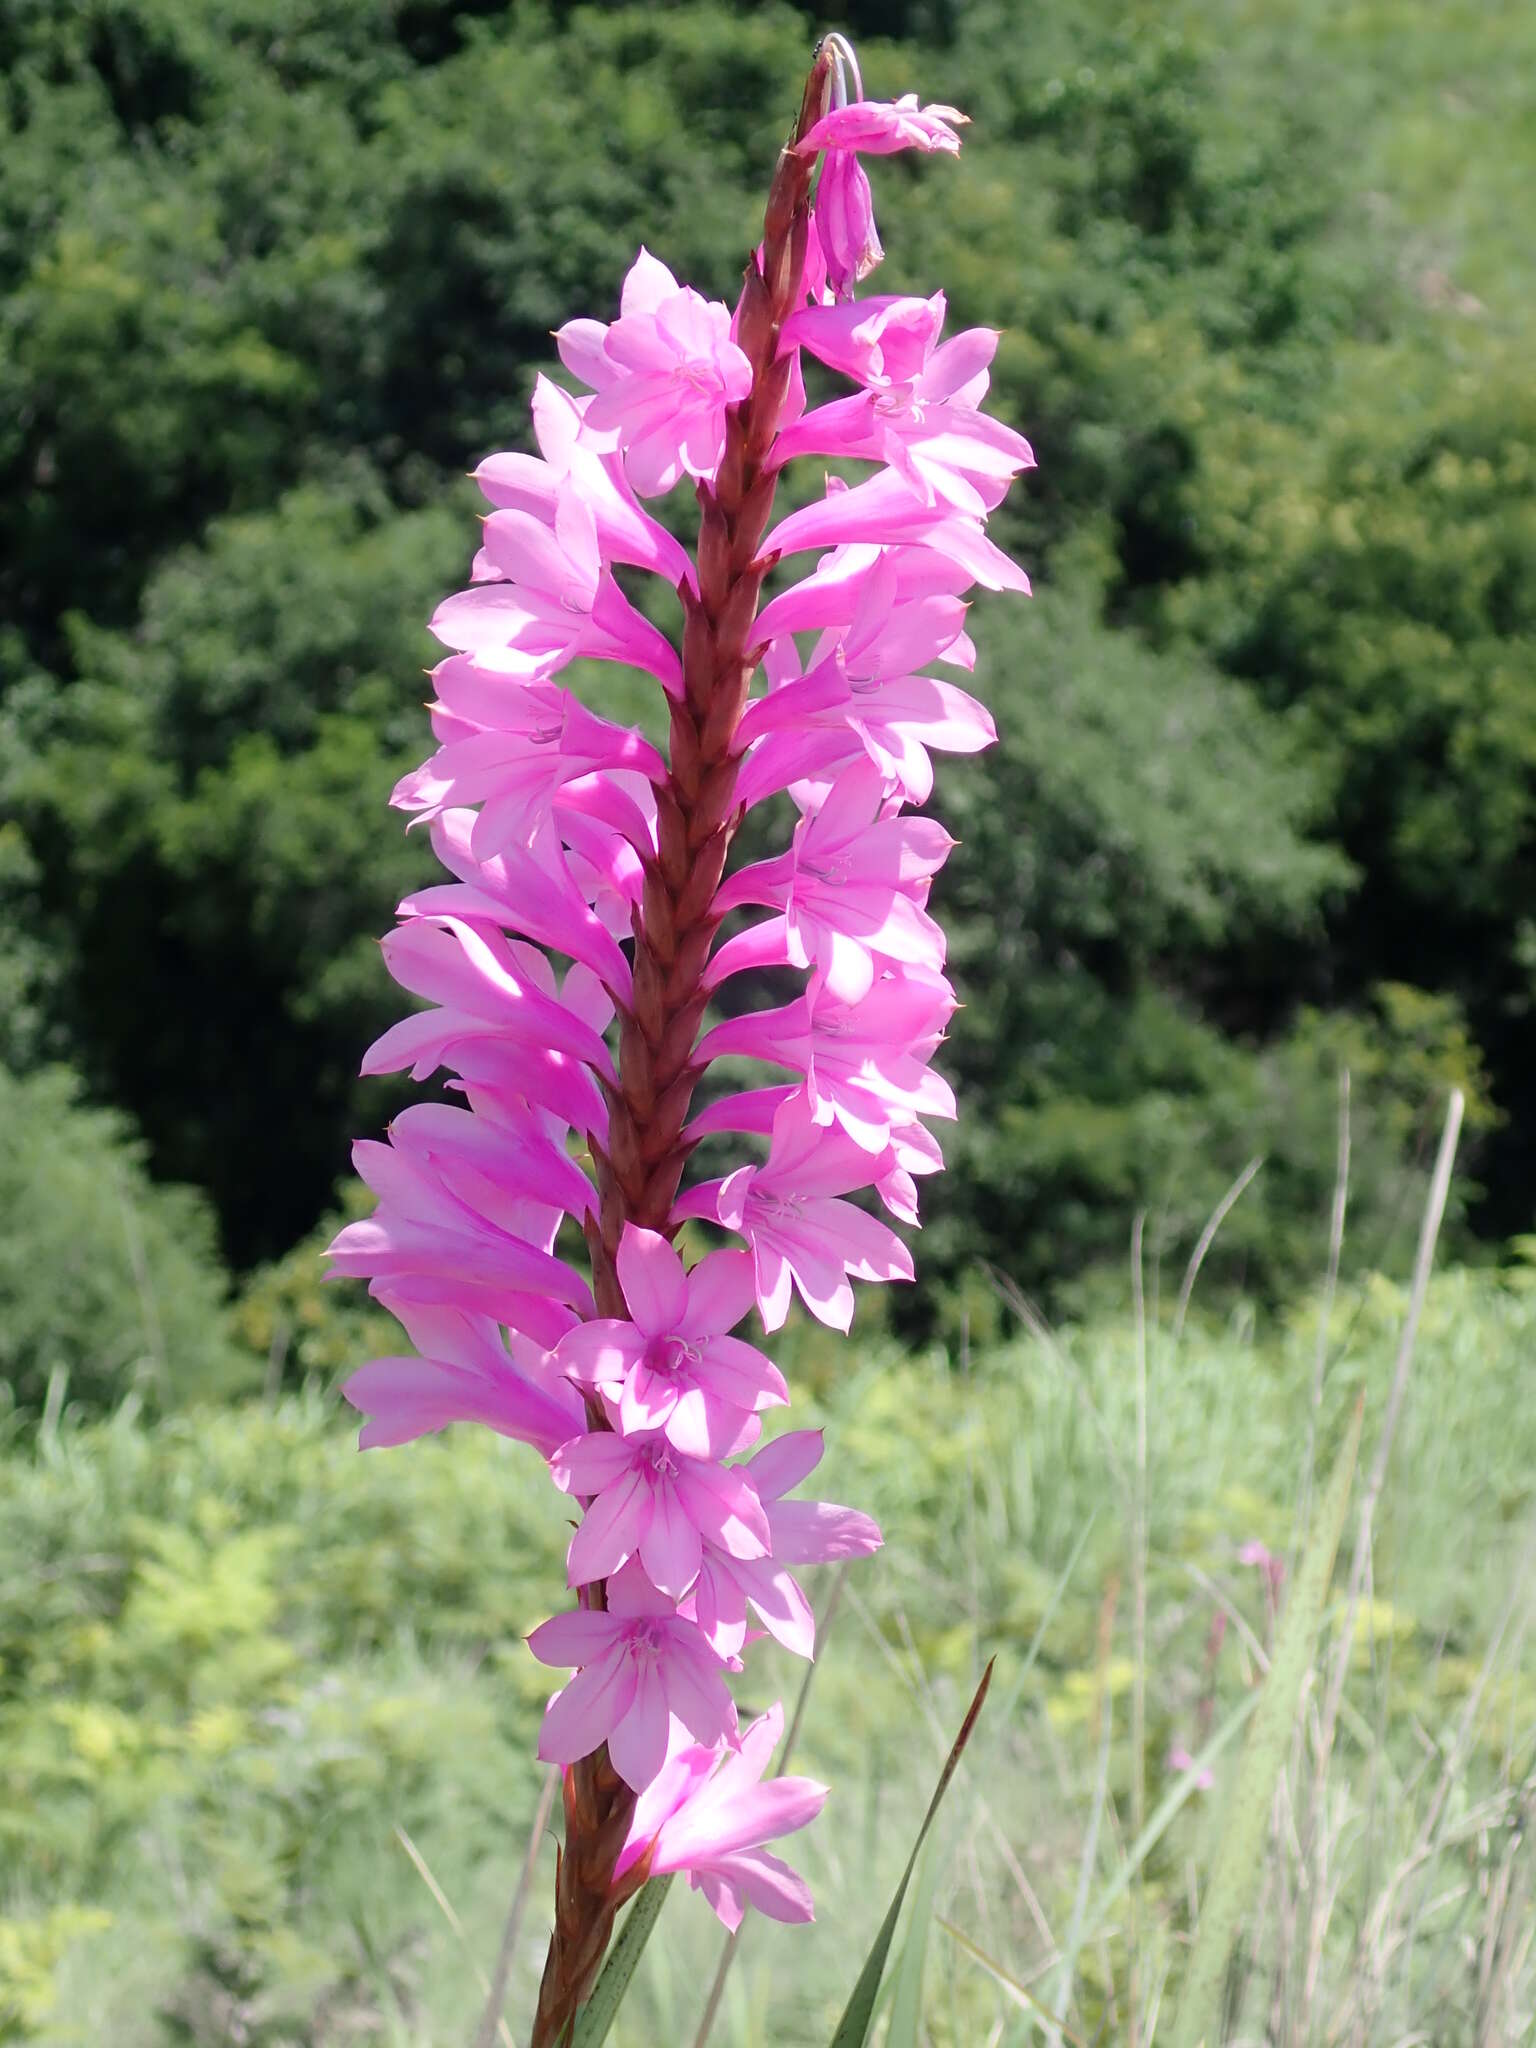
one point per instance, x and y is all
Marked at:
(568, 966)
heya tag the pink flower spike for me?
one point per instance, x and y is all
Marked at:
(881, 127)
(709, 1813)
(664, 373)
(640, 1666)
(586, 916)
(673, 1368)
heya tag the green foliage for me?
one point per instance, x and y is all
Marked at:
(273, 273)
(235, 1657)
(109, 1285)
(1246, 1821)
(218, 785)
(307, 1329)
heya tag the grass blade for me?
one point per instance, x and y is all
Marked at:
(1164, 1814)
(597, 2015)
(1021, 1994)
(853, 2028)
(1240, 1854)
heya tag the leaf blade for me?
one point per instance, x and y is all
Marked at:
(597, 2015)
(853, 2027)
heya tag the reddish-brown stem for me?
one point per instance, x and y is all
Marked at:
(674, 928)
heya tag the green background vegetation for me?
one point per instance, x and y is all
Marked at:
(236, 1657)
(273, 275)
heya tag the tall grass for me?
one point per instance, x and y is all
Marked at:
(238, 1663)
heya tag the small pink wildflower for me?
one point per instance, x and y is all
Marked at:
(1180, 1760)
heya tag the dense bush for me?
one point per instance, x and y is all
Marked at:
(236, 1658)
(109, 1284)
(273, 273)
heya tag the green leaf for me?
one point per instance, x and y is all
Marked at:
(907, 2005)
(853, 2028)
(597, 2015)
(1240, 1854)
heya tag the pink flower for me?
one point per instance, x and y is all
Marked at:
(845, 222)
(533, 890)
(881, 127)
(640, 1668)
(478, 973)
(837, 591)
(858, 699)
(672, 1367)
(887, 508)
(467, 1371)
(536, 740)
(554, 599)
(664, 373)
(800, 1234)
(852, 887)
(882, 343)
(864, 1063)
(708, 1813)
(530, 483)
(425, 1243)
(1180, 1760)
(800, 1532)
(647, 1500)
(498, 1018)
(930, 429)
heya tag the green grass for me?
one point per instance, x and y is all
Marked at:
(236, 1658)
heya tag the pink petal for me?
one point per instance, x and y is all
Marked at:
(766, 1882)
(719, 1294)
(670, 1548)
(651, 1275)
(576, 1637)
(583, 1714)
(637, 1740)
(612, 1529)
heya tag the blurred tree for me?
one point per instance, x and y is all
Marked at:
(108, 1284)
(273, 272)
